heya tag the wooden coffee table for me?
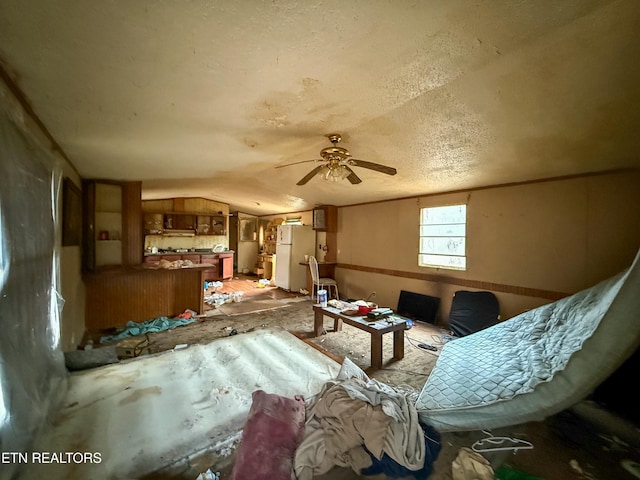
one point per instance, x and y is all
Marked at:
(396, 324)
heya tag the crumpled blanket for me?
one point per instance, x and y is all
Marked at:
(159, 324)
(353, 416)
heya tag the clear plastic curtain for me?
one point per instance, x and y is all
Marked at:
(32, 372)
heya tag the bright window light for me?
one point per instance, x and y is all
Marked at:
(443, 237)
(4, 273)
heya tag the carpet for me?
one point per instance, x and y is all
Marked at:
(252, 306)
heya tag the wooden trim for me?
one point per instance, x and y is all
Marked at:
(178, 205)
(462, 282)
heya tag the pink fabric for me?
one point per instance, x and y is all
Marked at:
(271, 435)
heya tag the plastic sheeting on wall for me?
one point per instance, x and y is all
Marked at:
(32, 372)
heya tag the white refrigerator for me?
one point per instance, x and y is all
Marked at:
(293, 242)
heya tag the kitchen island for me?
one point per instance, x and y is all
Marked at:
(221, 263)
(117, 295)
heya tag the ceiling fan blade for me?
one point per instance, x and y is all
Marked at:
(311, 174)
(373, 166)
(353, 178)
(302, 161)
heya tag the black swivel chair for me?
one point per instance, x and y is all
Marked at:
(472, 312)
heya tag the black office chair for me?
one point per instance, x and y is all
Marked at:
(472, 312)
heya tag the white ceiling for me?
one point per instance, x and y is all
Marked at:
(205, 98)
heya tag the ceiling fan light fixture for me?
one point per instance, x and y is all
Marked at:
(336, 173)
(338, 163)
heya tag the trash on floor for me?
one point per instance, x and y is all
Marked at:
(187, 314)
(470, 465)
(218, 299)
(208, 475)
(214, 285)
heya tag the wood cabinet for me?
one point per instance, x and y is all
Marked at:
(212, 259)
(212, 272)
(166, 222)
(211, 225)
(153, 223)
(325, 218)
(179, 221)
(112, 224)
(202, 216)
(152, 259)
(226, 266)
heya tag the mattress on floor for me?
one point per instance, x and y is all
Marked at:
(537, 363)
(147, 416)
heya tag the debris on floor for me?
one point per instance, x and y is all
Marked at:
(470, 465)
(219, 299)
(213, 285)
(90, 358)
(208, 475)
(133, 347)
(133, 329)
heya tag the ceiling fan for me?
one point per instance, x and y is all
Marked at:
(337, 164)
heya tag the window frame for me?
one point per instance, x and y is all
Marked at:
(445, 234)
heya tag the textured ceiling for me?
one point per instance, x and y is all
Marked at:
(205, 98)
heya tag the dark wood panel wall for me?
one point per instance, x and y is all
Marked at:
(114, 298)
(132, 235)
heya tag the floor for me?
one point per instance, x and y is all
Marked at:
(587, 442)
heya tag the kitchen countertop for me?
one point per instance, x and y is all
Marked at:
(147, 254)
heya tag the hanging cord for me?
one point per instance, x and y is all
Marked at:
(496, 444)
(416, 345)
(140, 346)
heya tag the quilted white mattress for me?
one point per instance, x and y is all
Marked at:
(537, 363)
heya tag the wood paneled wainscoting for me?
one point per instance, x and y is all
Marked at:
(117, 296)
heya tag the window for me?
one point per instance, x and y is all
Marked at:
(442, 237)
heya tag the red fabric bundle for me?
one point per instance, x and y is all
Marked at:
(272, 433)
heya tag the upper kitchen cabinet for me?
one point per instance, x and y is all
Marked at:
(211, 225)
(112, 224)
(325, 218)
(199, 216)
